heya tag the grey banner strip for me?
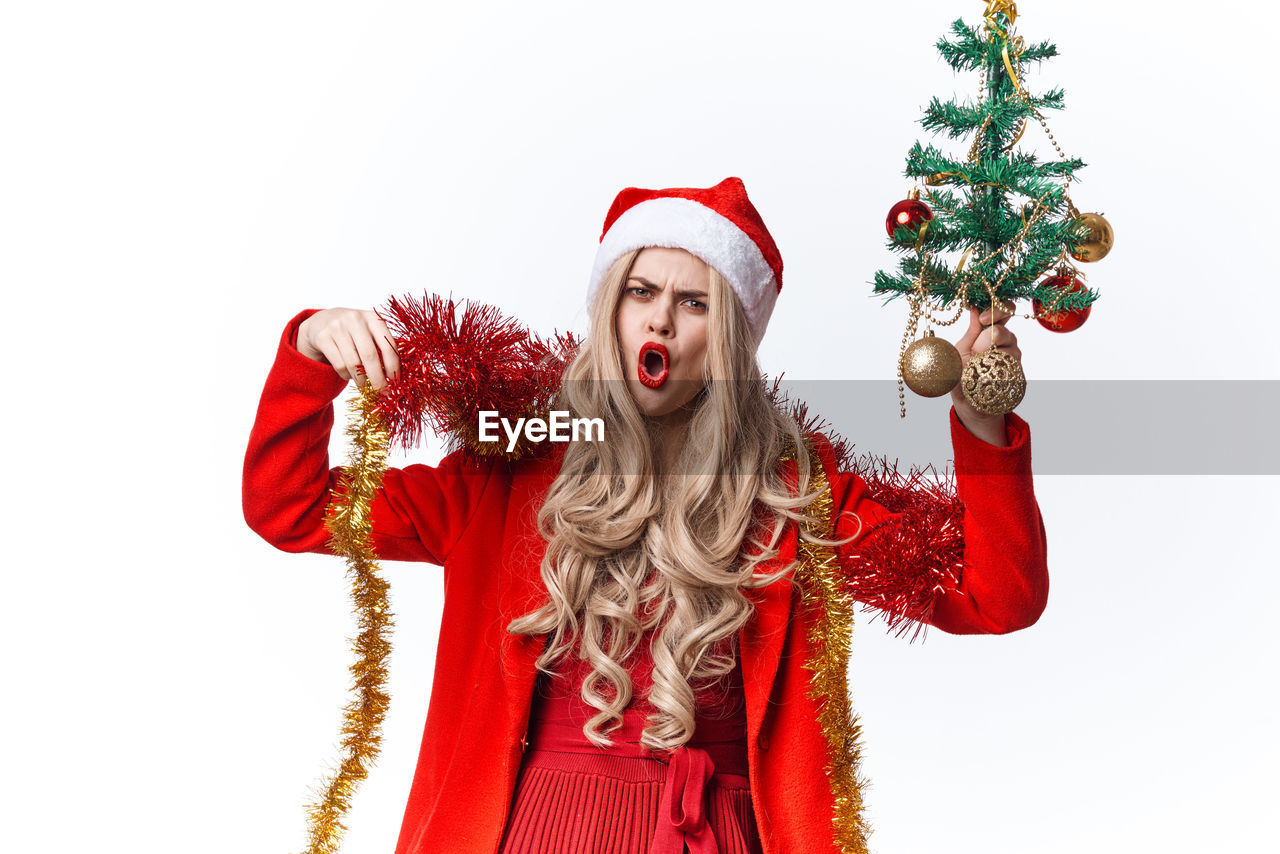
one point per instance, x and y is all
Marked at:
(1098, 427)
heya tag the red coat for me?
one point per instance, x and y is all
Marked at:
(476, 519)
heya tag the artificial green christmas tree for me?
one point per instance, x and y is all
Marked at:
(1002, 217)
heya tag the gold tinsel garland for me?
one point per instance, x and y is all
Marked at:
(830, 636)
(349, 526)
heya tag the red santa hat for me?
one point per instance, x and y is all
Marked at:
(717, 224)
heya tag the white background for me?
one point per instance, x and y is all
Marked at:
(180, 178)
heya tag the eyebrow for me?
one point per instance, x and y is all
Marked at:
(682, 293)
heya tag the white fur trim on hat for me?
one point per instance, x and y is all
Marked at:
(677, 223)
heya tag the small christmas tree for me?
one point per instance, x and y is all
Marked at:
(1003, 215)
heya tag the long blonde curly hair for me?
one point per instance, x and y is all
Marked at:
(628, 551)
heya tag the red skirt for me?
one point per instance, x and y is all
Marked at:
(626, 799)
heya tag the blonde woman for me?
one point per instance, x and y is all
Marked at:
(626, 655)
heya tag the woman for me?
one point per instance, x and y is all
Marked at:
(625, 655)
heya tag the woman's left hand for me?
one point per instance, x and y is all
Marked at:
(979, 337)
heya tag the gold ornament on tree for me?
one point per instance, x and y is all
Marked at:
(993, 382)
(1100, 240)
(931, 366)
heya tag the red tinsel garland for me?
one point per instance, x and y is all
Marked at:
(459, 358)
(900, 567)
(904, 564)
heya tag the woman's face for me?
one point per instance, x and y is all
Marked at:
(661, 323)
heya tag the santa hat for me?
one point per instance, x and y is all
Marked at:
(718, 224)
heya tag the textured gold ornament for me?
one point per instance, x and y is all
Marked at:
(830, 639)
(993, 382)
(931, 366)
(1100, 240)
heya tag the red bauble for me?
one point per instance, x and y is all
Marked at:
(908, 213)
(1062, 321)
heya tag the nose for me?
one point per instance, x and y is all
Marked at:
(659, 321)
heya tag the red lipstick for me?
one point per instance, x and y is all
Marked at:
(654, 364)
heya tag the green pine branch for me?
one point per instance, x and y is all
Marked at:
(1038, 52)
(892, 284)
(943, 200)
(935, 272)
(929, 161)
(967, 51)
(939, 234)
(1003, 118)
(957, 119)
(1025, 173)
(1071, 301)
(1051, 100)
(1073, 234)
(960, 120)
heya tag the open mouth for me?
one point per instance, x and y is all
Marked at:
(654, 364)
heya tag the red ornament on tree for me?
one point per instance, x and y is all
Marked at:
(908, 213)
(1062, 321)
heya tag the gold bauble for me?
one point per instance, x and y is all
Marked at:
(993, 382)
(1101, 237)
(931, 366)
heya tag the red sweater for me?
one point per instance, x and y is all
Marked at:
(477, 520)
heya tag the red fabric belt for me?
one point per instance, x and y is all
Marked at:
(682, 810)
(683, 815)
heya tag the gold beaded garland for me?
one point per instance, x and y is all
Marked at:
(931, 366)
(993, 382)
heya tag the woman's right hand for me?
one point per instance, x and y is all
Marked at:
(355, 343)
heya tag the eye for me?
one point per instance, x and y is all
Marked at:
(637, 291)
(696, 305)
